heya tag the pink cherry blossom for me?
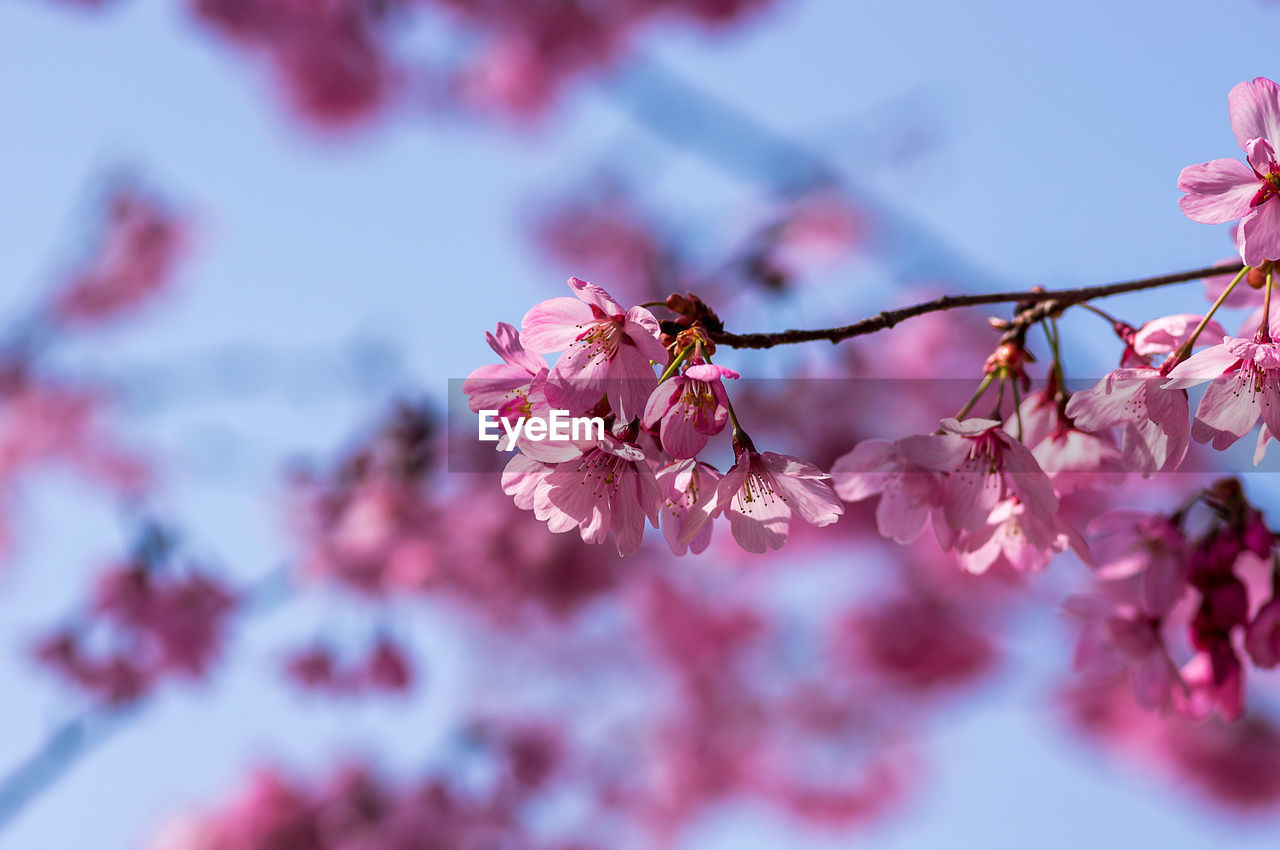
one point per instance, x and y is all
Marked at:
(1246, 387)
(1017, 537)
(690, 408)
(504, 387)
(1144, 553)
(608, 351)
(762, 490)
(688, 488)
(1119, 636)
(908, 492)
(610, 488)
(1073, 458)
(1226, 189)
(138, 257)
(1154, 422)
(983, 466)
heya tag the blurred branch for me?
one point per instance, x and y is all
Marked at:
(730, 139)
(76, 738)
(1039, 303)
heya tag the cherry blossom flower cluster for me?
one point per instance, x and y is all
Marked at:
(646, 466)
(148, 621)
(1215, 589)
(384, 669)
(356, 807)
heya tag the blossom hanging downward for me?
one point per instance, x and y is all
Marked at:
(1245, 388)
(608, 351)
(690, 408)
(759, 494)
(1226, 189)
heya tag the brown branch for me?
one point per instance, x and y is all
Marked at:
(887, 319)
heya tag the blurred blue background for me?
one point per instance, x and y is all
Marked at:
(370, 263)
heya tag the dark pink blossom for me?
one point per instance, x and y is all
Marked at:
(689, 408)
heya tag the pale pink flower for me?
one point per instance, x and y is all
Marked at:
(761, 491)
(608, 351)
(690, 408)
(688, 488)
(504, 386)
(1246, 387)
(1226, 189)
(610, 488)
(1154, 422)
(1146, 554)
(1021, 538)
(1163, 335)
(907, 491)
(1074, 459)
(983, 466)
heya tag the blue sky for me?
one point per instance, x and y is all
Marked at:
(1060, 131)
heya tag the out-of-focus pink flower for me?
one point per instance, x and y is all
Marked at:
(908, 492)
(137, 257)
(1226, 189)
(1147, 552)
(1246, 388)
(1118, 636)
(1215, 680)
(607, 350)
(690, 408)
(1262, 636)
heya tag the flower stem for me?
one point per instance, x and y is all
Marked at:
(1182, 351)
(1264, 329)
(964, 411)
(675, 363)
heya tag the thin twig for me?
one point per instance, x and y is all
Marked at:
(1038, 302)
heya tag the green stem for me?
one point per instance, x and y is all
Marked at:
(675, 364)
(982, 388)
(1181, 352)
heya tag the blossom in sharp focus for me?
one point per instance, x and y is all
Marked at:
(690, 408)
(1246, 387)
(1154, 421)
(504, 386)
(762, 490)
(1226, 189)
(610, 488)
(608, 351)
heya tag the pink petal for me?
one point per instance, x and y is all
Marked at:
(505, 342)
(1226, 413)
(595, 296)
(1260, 234)
(1198, 368)
(805, 487)
(1254, 107)
(554, 324)
(710, 372)
(1217, 191)
(642, 329)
